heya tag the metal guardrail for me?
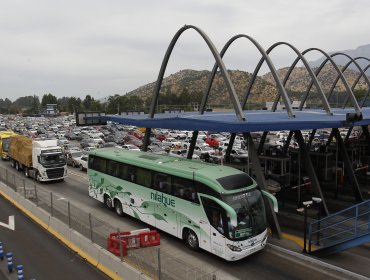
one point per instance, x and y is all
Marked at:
(151, 260)
(345, 225)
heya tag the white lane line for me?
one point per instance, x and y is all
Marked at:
(10, 225)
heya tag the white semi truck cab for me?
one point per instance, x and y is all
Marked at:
(48, 161)
(42, 160)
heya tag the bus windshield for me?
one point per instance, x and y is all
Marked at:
(6, 144)
(250, 210)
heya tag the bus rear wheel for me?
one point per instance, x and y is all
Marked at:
(108, 202)
(191, 240)
(118, 208)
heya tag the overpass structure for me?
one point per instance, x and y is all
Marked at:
(352, 112)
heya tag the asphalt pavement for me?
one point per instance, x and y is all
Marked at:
(42, 256)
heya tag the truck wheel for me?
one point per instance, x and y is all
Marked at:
(26, 172)
(191, 240)
(12, 163)
(81, 168)
(17, 166)
(38, 177)
(73, 164)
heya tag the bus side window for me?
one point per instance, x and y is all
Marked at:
(142, 177)
(185, 189)
(112, 168)
(131, 174)
(100, 164)
(122, 171)
(162, 183)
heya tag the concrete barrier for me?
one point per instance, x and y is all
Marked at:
(88, 250)
(122, 269)
(40, 213)
(60, 228)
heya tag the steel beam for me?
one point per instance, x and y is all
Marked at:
(348, 166)
(310, 170)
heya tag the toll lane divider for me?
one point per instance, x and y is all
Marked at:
(93, 253)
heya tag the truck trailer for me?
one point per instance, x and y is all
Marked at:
(42, 160)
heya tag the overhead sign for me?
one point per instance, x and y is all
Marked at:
(10, 225)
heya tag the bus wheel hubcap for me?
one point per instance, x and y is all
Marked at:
(192, 240)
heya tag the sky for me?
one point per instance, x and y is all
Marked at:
(103, 48)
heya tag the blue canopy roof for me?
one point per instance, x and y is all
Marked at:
(258, 120)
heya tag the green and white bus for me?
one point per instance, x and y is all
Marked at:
(217, 208)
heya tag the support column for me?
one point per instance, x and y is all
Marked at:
(348, 166)
(365, 131)
(230, 147)
(262, 142)
(287, 143)
(310, 170)
(260, 177)
(192, 144)
(146, 140)
(312, 136)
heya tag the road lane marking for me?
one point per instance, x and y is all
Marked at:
(78, 175)
(10, 225)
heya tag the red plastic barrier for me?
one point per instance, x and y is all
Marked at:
(132, 239)
(113, 245)
(150, 238)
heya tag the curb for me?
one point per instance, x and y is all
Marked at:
(316, 262)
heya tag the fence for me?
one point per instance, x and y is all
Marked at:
(151, 260)
(345, 225)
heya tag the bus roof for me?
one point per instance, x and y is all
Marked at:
(201, 171)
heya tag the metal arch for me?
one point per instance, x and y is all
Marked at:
(269, 63)
(310, 71)
(357, 80)
(328, 58)
(219, 62)
(362, 74)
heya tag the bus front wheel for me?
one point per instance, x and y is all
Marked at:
(191, 240)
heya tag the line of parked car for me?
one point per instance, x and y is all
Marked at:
(78, 141)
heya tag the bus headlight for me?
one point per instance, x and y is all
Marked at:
(234, 248)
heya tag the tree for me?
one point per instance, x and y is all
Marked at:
(87, 102)
(63, 104)
(49, 99)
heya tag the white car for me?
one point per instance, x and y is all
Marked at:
(82, 162)
(182, 154)
(130, 147)
(171, 142)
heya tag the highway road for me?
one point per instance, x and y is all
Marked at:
(267, 264)
(42, 256)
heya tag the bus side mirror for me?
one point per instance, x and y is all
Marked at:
(273, 200)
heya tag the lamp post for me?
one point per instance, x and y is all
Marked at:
(306, 204)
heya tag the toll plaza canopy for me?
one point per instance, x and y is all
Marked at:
(256, 120)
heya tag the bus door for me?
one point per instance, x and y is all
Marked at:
(218, 214)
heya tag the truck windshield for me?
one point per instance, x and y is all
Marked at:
(6, 144)
(52, 159)
(251, 216)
